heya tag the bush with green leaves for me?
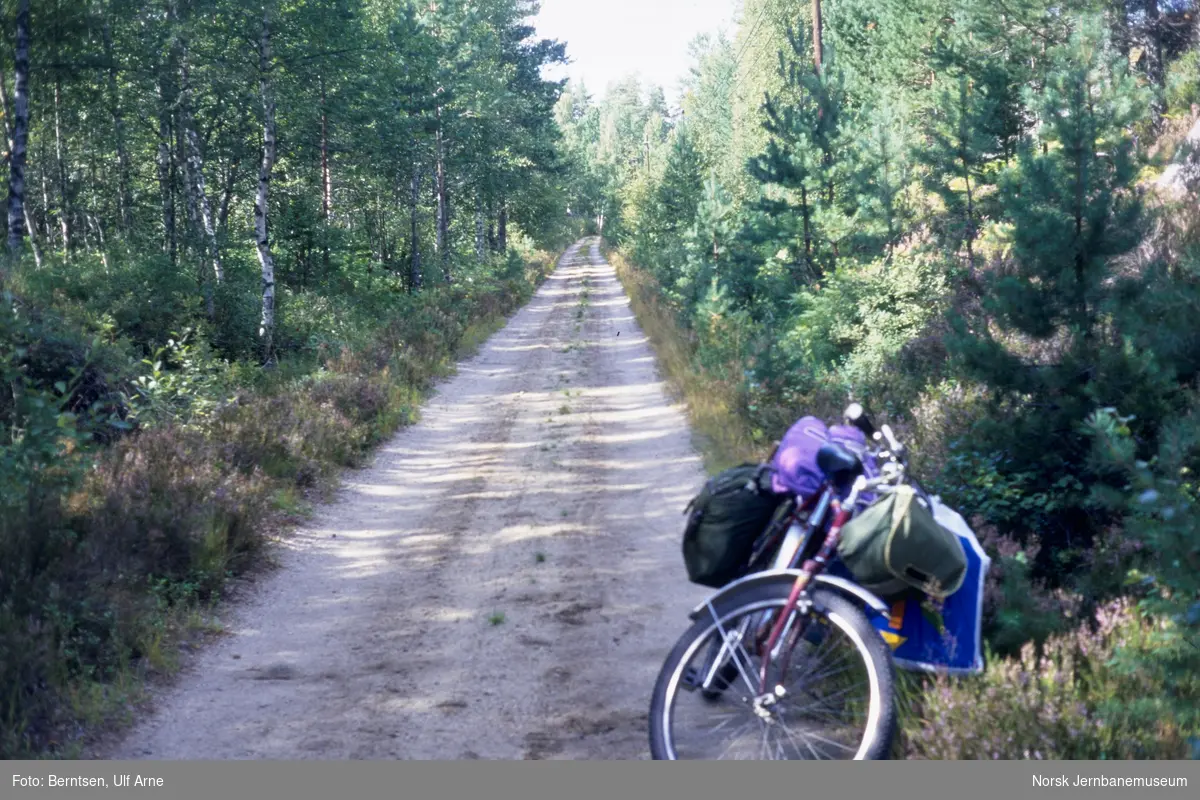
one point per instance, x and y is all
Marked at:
(141, 298)
(1157, 499)
(853, 324)
(1183, 83)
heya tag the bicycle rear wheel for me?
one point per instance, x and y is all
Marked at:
(830, 693)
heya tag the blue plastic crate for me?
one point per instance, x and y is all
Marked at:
(916, 643)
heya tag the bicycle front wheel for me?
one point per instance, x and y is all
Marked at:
(830, 693)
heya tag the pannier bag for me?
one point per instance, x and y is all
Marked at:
(795, 461)
(724, 521)
(956, 648)
(897, 544)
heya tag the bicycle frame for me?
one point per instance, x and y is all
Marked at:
(811, 568)
(842, 512)
(793, 532)
(797, 536)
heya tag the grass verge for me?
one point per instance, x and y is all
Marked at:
(725, 438)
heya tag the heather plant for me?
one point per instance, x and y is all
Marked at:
(1019, 609)
(1071, 700)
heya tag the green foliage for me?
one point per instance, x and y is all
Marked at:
(184, 383)
(1158, 498)
(962, 142)
(142, 299)
(809, 162)
(1183, 83)
(993, 487)
(1042, 343)
(856, 322)
(1073, 700)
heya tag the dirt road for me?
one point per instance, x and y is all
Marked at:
(503, 583)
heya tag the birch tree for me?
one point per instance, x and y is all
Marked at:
(266, 330)
(20, 136)
(193, 159)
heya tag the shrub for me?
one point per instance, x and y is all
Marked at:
(1073, 700)
(1017, 608)
(142, 298)
(1183, 82)
(1158, 499)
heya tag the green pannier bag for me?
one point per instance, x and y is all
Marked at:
(895, 545)
(724, 521)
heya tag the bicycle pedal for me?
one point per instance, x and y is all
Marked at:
(691, 679)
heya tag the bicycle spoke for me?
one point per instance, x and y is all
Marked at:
(807, 744)
(819, 738)
(733, 742)
(828, 697)
(814, 708)
(744, 668)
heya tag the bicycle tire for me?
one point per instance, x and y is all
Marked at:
(880, 729)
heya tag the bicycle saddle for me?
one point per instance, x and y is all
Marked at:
(838, 463)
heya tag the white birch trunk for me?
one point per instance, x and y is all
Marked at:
(64, 214)
(16, 162)
(195, 166)
(480, 231)
(8, 137)
(266, 330)
(415, 276)
(443, 221)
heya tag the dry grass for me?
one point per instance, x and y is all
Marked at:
(726, 439)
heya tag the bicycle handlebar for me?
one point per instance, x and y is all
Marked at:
(896, 452)
(856, 416)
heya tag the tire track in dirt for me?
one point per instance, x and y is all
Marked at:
(503, 582)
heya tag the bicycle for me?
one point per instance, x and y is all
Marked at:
(789, 606)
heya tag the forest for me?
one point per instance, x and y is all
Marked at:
(980, 220)
(244, 240)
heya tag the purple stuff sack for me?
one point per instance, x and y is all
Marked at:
(795, 462)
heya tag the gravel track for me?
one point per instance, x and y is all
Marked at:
(502, 583)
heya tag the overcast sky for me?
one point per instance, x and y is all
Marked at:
(609, 39)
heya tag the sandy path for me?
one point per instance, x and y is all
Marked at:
(545, 482)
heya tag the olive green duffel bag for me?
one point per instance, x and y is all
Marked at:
(896, 544)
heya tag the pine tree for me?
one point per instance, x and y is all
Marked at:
(1070, 211)
(709, 264)
(682, 184)
(883, 171)
(805, 171)
(960, 143)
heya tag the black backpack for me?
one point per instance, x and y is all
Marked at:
(724, 521)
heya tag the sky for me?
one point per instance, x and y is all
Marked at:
(610, 39)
